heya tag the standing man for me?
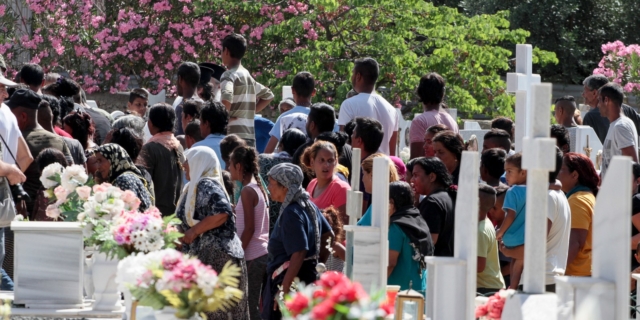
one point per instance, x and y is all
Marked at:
(240, 93)
(32, 75)
(565, 110)
(188, 79)
(368, 103)
(303, 89)
(431, 93)
(593, 118)
(622, 137)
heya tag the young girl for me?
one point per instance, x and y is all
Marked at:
(252, 220)
(336, 259)
(321, 159)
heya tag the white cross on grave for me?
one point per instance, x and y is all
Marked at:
(538, 159)
(452, 278)
(520, 83)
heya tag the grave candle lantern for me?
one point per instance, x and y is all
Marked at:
(409, 305)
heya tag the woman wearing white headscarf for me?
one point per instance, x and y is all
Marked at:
(298, 239)
(209, 224)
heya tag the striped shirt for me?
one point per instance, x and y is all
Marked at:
(239, 88)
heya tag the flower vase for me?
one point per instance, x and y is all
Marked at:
(168, 313)
(106, 293)
(128, 304)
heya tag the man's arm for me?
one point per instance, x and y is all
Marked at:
(13, 174)
(263, 97)
(226, 93)
(393, 142)
(271, 145)
(24, 157)
(630, 151)
(263, 103)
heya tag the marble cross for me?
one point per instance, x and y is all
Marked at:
(452, 279)
(604, 295)
(520, 82)
(354, 196)
(367, 251)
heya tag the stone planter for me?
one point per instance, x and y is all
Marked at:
(106, 293)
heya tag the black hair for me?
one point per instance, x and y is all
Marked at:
(436, 128)
(436, 166)
(292, 139)
(502, 137)
(338, 139)
(64, 87)
(566, 98)
(493, 161)
(207, 91)
(515, 159)
(401, 193)
(247, 157)
(193, 130)
(50, 155)
(216, 115)
(303, 84)
(192, 108)
(503, 123)
(229, 143)
(451, 141)
(162, 116)
(613, 91)
(431, 88)
(190, 73)
(367, 68)
(636, 170)
(54, 104)
(32, 74)
(228, 184)
(487, 197)
(82, 126)
(236, 44)
(562, 136)
(410, 165)
(370, 130)
(128, 140)
(323, 115)
(138, 93)
(18, 86)
(348, 128)
(554, 174)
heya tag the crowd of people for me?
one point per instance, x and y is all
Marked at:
(271, 197)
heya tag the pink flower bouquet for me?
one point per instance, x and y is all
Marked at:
(67, 190)
(492, 310)
(167, 278)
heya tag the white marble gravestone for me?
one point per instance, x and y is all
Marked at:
(368, 247)
(48, 264)
(520, 82)
(161, 97)
(538, 159)
(479, 133)
(354, 195)
(472, 125)
(581, 136)
(404, 128)
(451, 283)
(605, 295)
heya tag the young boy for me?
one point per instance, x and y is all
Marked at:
(511, 232)
(497, 215)
(489, 277)
(492, 166)
(138, 102)
(240, 93)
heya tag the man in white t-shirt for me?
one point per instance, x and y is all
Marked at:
(622, 137)
(10, 132)
(368, 103)
(558, 228)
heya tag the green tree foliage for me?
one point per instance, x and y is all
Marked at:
(573, 29)
(408, 38)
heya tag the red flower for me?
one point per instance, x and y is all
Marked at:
(347, 292)
(320, 294)
(330, 279)
(297, 304)
(388, 307)
(323, 310)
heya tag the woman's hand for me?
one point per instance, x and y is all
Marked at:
(189, 236)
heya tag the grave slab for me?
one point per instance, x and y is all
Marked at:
(583, 138)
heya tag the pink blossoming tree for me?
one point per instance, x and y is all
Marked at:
(621, 64)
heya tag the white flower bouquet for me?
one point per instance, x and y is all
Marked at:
(67, 190)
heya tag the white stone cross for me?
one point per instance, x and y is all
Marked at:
(354, 196)
(368, 247)
(520, 82)
(604, 295)
(450, 279)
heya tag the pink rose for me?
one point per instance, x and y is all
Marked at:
(53, 212)
(101, 187)
(61, 193)
(129, 196)
(83, 192)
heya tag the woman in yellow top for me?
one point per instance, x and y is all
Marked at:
(580, 183)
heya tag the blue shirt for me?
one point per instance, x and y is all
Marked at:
(212, 141)
(294, 231)
(406, 270)
(515, 199)
(365, 221)
(262, 128)
(277, 129)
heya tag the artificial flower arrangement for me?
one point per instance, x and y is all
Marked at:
(334, 297)
(67, 190)
(167, 278)
(492, 309)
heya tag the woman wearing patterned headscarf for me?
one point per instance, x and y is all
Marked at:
(298, 239)
(209, 224)
(116, 167)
